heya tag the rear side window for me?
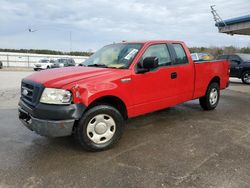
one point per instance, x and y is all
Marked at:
(161, 52)
(181, 57)
(194, 57)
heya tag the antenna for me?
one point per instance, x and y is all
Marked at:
(218, 20)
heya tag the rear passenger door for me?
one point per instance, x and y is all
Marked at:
(183, 71)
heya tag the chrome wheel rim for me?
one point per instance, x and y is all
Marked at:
(101, 128)
(246, 78)
(213, 97)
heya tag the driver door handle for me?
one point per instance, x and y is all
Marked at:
(173, 75)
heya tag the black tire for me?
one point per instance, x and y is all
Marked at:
(81, 135)
(244, 75)
(205, 102)
(48, 67)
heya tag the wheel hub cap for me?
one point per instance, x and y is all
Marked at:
(247, 78)
(101, 128)
(213, 96)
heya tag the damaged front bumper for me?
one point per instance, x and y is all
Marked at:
(47, 128)
(50, 120)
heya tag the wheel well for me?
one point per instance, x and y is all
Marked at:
(245, 70)
(216, 79)
(112, 101)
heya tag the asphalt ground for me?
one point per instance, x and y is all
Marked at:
(182, 146)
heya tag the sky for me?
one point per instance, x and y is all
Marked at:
(91, 24)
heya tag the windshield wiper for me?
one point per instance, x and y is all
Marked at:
(105, 66)
(98, 65)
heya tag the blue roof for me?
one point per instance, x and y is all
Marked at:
(234, 21)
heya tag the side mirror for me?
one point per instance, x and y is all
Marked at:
(148, 64)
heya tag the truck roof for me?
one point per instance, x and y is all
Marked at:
(153, 41)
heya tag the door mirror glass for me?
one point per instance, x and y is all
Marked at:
(148, 64)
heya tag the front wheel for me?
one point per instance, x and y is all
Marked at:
(211, 99)
(99, 128)
(246, 77)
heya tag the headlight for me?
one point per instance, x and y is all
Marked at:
(56, 96)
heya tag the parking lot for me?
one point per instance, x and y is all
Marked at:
(182, 146)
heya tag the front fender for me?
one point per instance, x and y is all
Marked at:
(90, 92)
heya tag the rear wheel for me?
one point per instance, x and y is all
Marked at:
(211, 99)
(99, 128)
(246, 77)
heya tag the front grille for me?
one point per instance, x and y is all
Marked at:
(31, 92)
(27, 92)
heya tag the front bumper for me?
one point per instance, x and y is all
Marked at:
(47, 127)
(50, 120)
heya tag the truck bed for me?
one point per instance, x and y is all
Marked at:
(205, 71)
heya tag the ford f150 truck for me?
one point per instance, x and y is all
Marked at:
(119, 81)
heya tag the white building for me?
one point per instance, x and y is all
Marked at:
(11, 59)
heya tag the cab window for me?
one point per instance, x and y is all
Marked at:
(160, 51)
(181, 57)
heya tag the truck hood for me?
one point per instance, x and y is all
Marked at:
(59, 77)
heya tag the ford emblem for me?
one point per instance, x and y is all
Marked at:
(25, 92)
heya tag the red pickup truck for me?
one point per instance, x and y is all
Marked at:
(119, 81)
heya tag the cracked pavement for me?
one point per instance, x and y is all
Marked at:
(182, 146)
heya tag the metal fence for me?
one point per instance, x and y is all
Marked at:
(27, 60)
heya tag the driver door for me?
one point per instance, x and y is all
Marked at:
(152, 89)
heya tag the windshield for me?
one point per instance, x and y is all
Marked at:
(114, 56)
(245, 57)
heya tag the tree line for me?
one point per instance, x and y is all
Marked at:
(215, 51)
(49, 52)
